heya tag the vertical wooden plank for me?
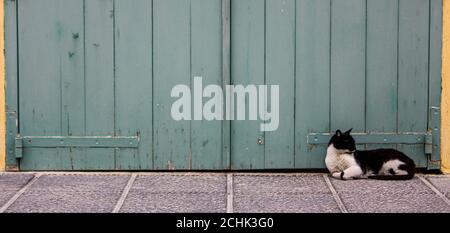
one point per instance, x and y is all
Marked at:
(312, 97)
(280, 70)
(413, 72)
(435, 87)
(99, 75)
(247, 67)
(206, 62)
(381, 73)
(11, 76)
(171, 59)
(348, 37)
(72, 80)
(11, 54)
(40, 68)
(72, 67)
(133, 89)
(40, 77)
(226, 79)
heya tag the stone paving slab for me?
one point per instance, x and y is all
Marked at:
(442, 183)
(207, 192)
(167, 193)
(10, 183)
(71, 193)
(307, 193)
(376, 196)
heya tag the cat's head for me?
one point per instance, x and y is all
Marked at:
(343, 141)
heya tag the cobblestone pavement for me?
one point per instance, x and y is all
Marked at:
(218, 192)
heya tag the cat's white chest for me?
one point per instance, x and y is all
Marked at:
(337, 162)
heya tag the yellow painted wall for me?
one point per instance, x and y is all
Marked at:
(2, 92)
(445, 102)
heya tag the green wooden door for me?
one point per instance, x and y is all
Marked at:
(367, 65)
(102, 70)
(89, 82)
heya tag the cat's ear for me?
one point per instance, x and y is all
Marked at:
(338, 133)
(348, 131)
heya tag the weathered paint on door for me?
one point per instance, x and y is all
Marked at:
(90, 81)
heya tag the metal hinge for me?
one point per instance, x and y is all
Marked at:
(429, 144)
(375, 138)
(11, 133)
(74, 142)
(19, 148)
(432, 149)
(425, 139)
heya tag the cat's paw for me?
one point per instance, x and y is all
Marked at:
(338, 175)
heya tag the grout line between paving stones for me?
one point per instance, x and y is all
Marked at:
(437, 175)
(19, 193)
(434, 189)
(230, 197)
(125, 192)
(335, 194)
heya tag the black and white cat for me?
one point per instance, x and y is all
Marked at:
(345, 162)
